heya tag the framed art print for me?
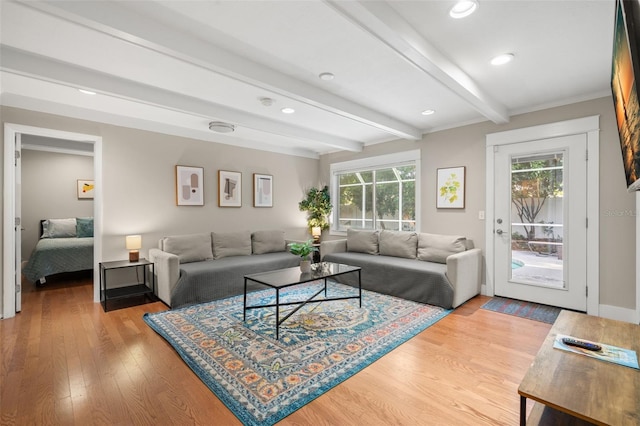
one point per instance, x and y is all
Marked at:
(85, 189)
(262, 190)
(229, 189)
(450, 188)
(189, 186)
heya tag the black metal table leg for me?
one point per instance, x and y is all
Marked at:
(523, 411)
(244, 311)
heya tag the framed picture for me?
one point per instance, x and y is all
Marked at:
(189, 186)
(450, 188)
(85, 189)
(229, 189)
(262, 190)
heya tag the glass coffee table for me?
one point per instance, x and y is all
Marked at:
(284, 278)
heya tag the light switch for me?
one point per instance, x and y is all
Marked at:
(481, 215)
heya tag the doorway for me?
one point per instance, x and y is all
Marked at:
(12, 193)
(541, 226)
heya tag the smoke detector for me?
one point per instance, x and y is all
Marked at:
(266, 101)
(221, 127)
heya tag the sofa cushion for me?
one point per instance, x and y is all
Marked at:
(227, 244)
(267, 242)
(189, 248)
(398, 244)
(436, 247)
(362, 241)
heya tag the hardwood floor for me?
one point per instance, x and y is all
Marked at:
(64, 361)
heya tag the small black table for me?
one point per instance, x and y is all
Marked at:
(138, 289)
(283, 278)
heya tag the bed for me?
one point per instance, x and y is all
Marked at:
(65, 245)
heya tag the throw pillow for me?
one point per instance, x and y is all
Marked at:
(189, 248)
(59, 228)
(231, 244)
(84, 227)
(362, 241)
(398, 244)
(436, 247)
(267, 242)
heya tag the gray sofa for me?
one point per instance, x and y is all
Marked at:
(441, 270)
(198, 268)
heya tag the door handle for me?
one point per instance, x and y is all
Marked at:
(499, 231)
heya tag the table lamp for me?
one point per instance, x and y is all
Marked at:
(316, 231)
(133, 244)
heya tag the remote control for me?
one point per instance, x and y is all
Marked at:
(580, 344)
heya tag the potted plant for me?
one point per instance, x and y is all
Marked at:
(318, 205)
(303, 250)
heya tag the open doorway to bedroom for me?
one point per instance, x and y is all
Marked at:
(52, 173)
(57, 181)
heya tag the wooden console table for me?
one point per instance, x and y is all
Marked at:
(575, 389)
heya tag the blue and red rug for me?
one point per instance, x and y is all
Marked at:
(263, 380)
(532, 311)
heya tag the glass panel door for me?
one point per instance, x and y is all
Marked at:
(537, 213)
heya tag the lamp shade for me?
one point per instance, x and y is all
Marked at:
(316, 231)
(133, 242)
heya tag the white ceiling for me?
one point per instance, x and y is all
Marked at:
(174, 66)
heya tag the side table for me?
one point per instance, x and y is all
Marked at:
(132, 290)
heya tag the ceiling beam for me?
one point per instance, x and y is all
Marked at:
(380, 20)
(36, 66)
(117, 21)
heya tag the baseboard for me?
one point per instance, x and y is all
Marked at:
(618, 313)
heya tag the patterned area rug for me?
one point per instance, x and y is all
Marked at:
(532, 311)
(263, 380)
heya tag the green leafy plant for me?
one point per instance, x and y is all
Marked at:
(303, 250)
(318, 205)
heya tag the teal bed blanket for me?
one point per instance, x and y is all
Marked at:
(57, 255)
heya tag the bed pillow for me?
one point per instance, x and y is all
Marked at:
(436, 247)
(84, 227)
(189, 248)
(59, 228)
(227, 244)
(267, 242)
(399, 244)
(362, 241)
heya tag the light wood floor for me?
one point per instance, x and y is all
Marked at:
(64, 361)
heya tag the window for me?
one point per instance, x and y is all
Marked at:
(376, 193)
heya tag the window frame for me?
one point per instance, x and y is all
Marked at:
(405, 158)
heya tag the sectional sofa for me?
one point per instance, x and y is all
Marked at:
(442, 270)
(198, 268)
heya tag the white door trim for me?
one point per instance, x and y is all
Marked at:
(8, 308)
(587, 125)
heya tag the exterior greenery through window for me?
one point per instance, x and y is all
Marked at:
(377, 199)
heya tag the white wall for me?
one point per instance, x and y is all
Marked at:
(49, 191)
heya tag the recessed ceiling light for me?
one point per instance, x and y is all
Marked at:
(428, 112)
(288, 110)
(86, 92)
(326, 76)
(505, 58)
(221, 127)
(463, 8)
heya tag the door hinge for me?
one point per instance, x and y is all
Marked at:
(18, 288)
(586, 220)
(586, 155)
(586, 291)
(18, 221)
(17, 157)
